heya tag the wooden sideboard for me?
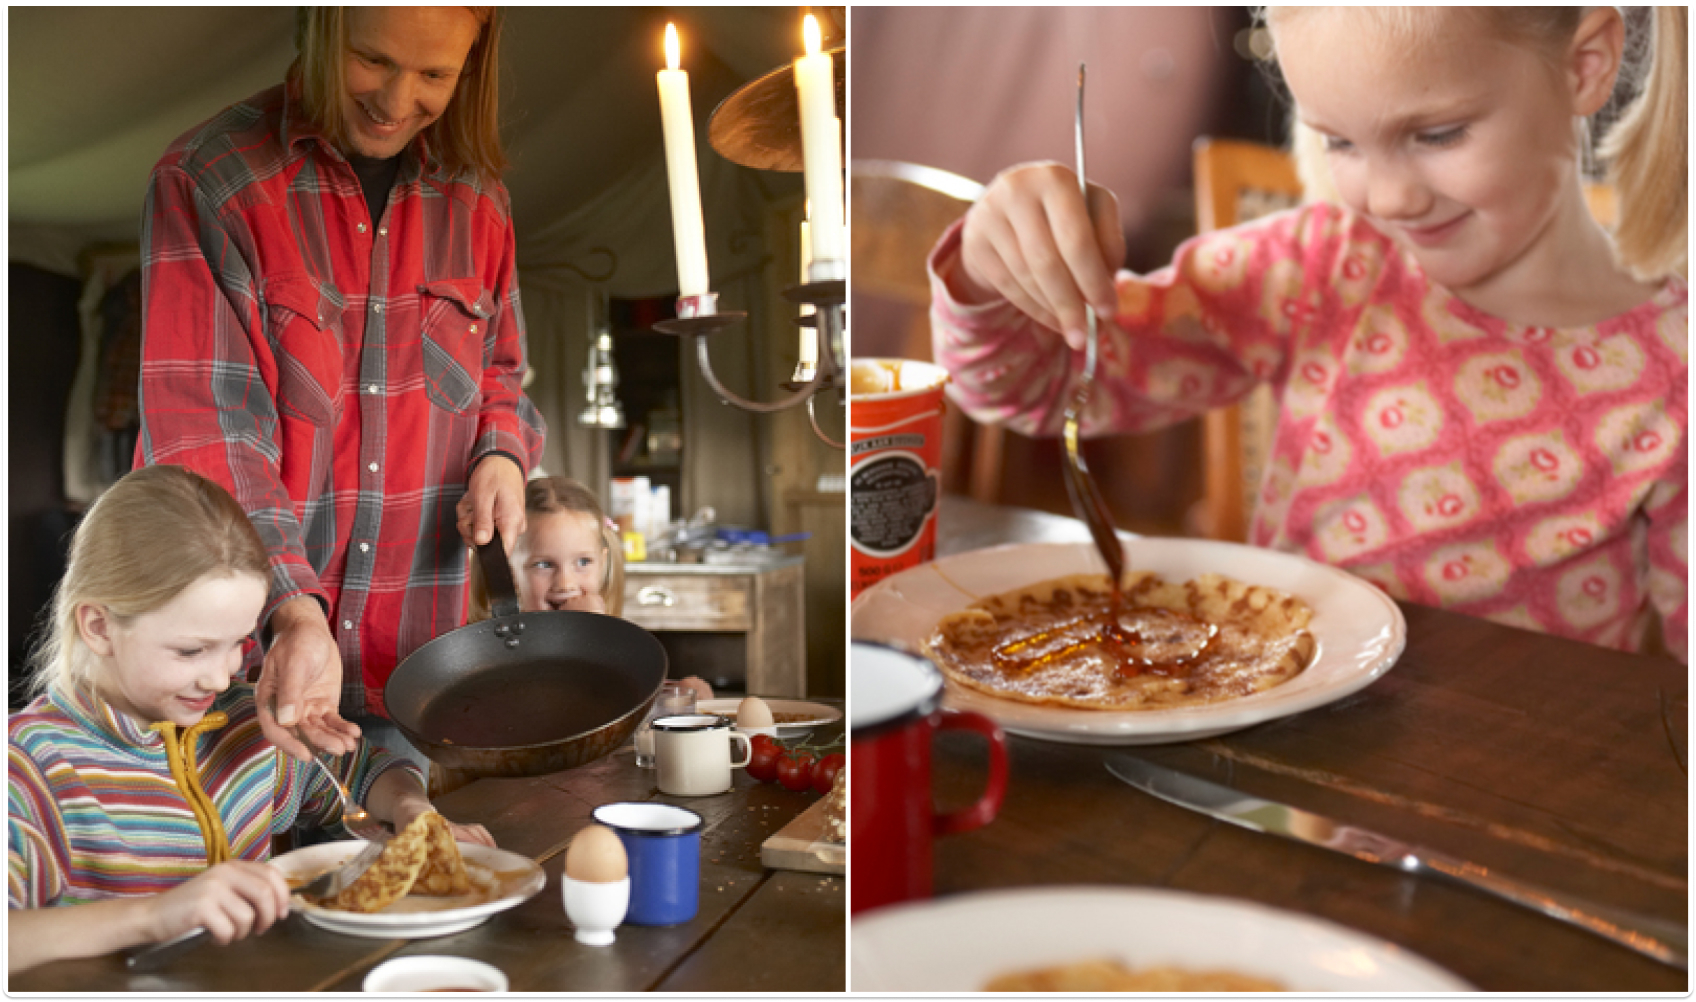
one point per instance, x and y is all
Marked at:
(739, 626)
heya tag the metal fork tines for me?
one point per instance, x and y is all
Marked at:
(358, 821)
(1086, 497)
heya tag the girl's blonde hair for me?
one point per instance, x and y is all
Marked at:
(1646, 149)
(466, 136)
(563, 495)
(156, 531)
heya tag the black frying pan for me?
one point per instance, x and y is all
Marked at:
(525, 694)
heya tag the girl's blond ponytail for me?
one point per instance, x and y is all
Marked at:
(1647, 152)
(612, 582)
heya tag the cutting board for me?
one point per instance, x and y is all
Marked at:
(791, 847)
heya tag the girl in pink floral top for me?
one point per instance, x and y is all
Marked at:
(1482, 394)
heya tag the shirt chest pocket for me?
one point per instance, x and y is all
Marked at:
(455, 328)
(303, 327)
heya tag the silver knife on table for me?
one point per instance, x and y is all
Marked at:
(1664, 941)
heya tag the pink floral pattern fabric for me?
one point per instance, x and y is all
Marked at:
(1528, 475)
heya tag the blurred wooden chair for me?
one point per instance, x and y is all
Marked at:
(898, 211)
(1236, 182)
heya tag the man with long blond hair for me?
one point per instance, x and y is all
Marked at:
(332, 331)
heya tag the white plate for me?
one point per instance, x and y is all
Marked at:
(817, 713)
(500, 880)
(1360, 632)
(959, 943)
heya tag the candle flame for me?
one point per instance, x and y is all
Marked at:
(810, 32)
(671, 47)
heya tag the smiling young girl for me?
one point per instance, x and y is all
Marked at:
(1482, 393)
(142, 795)
(569, 556)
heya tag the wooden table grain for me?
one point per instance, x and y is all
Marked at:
(757, 930)
(1544, 759)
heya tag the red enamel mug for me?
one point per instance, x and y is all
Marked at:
(896, 711)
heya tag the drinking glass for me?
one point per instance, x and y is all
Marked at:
(675, 698)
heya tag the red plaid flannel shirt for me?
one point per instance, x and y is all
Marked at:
(341, 377)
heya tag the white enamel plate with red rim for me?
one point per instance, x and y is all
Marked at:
(1359, 630)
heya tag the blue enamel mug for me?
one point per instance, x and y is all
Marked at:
(663, 844)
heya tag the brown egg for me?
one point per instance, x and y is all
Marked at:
(596, 856)
(753, 712)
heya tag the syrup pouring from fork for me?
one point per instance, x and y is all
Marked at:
(1086, 497)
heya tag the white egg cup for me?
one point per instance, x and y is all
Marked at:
(596, 909)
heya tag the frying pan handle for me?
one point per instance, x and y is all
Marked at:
(497, 574)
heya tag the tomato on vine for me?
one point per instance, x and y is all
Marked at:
(825, 769)
(763, 754)
(794, 770)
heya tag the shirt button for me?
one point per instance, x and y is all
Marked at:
(372, 467)
(362, 227)
(382, 231)
(373, 389)
(378, 307)
(347, 624)
(364, 547)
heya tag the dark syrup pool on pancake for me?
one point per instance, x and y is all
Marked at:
(1105, 630)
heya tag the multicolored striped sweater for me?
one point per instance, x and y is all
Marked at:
(94, 813)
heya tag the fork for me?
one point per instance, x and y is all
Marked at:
(1086, 497)
(358, 821)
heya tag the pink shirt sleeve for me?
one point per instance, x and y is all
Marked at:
(1669, 566)
(1195, 335)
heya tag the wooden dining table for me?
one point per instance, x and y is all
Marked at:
(756, 930)
(1544, 759)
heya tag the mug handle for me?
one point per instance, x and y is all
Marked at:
(747, 749)
(984, 811)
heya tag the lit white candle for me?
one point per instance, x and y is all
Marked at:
(821, 148)
(687, 229)
(806, 256)
(809, 335)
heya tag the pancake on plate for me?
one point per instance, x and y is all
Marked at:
(1111, 976)
(421, 859)
(444, 871)
(1171, 645)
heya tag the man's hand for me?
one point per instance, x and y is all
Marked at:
(494, 498)
(300, 685)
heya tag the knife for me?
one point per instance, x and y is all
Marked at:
(326, 884)
(1664, 941)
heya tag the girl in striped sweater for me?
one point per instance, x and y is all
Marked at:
(141, 789)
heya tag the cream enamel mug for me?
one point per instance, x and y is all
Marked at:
(693, 754)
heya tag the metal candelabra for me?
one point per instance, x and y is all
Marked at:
(700, 318)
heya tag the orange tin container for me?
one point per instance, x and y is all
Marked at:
(894, 466)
